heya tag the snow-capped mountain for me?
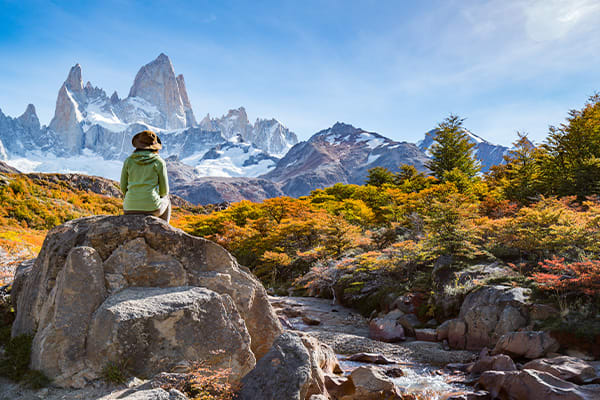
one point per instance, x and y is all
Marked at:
(269, 135)
(487, 153)
(341, 153)
(91, 132)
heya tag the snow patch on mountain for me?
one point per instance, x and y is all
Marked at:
(234, 160)
(88, 163)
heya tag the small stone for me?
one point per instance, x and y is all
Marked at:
(394, 372)
(373, 358)
(310, 320)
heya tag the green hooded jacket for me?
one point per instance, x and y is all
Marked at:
(144, 181)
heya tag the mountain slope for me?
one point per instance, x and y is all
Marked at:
(343, 154)
(185, 182)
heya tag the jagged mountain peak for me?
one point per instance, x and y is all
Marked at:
(74, 82)
(341, 153)
(345, 133)
(156, 72)
(157, 84)
(338, 129)
(29, 118)
(114, 98)
(30, 110)
(237, 112)
(163, 58)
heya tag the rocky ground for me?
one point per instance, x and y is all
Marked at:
(347, 332)
(162, 299)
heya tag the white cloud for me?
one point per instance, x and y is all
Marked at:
(548, 20)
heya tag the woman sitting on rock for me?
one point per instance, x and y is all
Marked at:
(144, 179)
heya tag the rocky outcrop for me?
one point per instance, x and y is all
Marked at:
(67, 114)
(155, 394)
(156, 83)
(153, 327)
(500, 362)
(488, 313)
(534, 385)
(147, 286)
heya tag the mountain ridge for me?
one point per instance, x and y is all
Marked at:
(90, 133)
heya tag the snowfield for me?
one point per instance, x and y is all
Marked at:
(87, 163)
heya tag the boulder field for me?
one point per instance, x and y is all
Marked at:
(134, 289)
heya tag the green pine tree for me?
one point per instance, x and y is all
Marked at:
(570, 157)
(519, 176)
(452, 151)
(379, 176)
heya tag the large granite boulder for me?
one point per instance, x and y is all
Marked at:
(528, 344)
(153, 327)
(487, 314)
(80, 291)
(290, 371)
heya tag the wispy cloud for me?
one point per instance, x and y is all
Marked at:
(394, 67)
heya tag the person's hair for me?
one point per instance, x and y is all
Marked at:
(151, 151)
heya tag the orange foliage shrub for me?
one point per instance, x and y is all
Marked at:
(577, 277)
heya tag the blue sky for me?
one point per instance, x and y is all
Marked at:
(393, 67)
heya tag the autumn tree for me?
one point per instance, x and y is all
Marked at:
(570, 162)
(380, 176)
(451, 150)
(409, 179)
